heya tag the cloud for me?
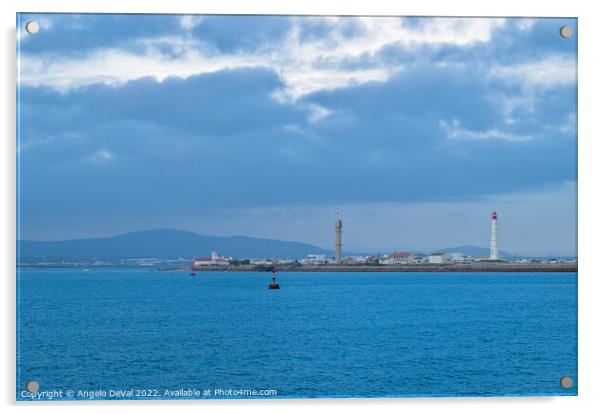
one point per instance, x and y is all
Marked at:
(317, 112)
(224, 132)
(454, 131)
(525, 24)
(73, 36)
(238, 113)
(31, 142)
(221, 103)
(189, 22)
(306, 64)
(552, 71)
(102, 155)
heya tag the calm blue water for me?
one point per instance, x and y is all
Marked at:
(321, 334)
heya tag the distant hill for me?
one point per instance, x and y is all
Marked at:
(472, 251)
(164, 244)
(171, 244)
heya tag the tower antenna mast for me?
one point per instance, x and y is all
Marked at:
(338, 239)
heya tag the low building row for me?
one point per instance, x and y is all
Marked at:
(401, 258)
(395, 258)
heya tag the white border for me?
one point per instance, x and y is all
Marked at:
(589, 195)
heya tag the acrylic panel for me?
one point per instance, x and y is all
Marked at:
(250, 206)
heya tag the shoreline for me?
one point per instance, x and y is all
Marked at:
(426, 268)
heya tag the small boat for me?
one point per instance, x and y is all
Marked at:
(86, 269)
(192, 273)
(273, 285)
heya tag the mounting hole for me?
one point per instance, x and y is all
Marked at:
(566, 31)
(32, 27)
(32, 386)
(566, 382)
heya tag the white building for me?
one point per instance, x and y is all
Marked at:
(398, 258)
(263, 262)
(214, 260)
(316, 259)
(456, 258)
(437, 258)
(202, 261)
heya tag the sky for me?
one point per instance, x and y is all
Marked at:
(415, 128)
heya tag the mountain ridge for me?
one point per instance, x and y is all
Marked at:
(165, 243)
(168, 243)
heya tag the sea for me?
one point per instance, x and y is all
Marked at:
(138, 333)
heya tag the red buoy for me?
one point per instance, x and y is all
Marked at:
(273, 285)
